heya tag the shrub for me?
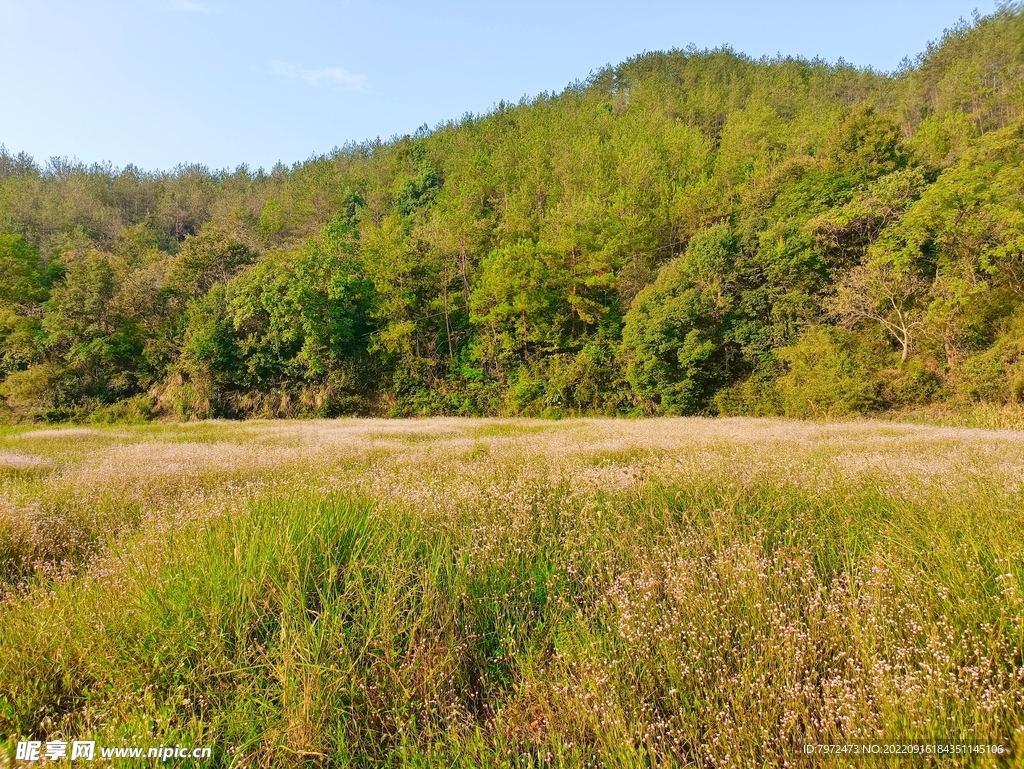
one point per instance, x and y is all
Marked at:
(830, 373)
(916, 383)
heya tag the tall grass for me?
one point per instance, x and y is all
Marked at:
(586, 594)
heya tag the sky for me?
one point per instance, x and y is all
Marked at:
(156, 83)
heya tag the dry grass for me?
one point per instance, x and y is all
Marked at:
(513, 592)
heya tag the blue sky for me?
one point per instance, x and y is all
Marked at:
(225, 82)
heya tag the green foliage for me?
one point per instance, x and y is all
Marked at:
(21, 278)
(42, 391)
(829, 373)
(514, 303)
(24, 286)
(290, 318)
(867, 145)
(672, 336)
(995, 374)
(646, 241)
(213, 256)
(918, 382)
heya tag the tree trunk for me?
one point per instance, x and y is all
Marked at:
(447, 323)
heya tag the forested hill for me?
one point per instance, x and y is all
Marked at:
(688, 232)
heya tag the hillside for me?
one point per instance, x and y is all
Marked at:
(690, 232)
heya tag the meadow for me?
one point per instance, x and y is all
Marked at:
(499, 593)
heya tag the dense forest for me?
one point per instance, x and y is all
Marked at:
(690, 232)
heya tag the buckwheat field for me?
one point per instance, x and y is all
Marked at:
(479, 593)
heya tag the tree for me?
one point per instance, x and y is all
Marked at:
(514, 306)
(880, 293)
(672, 337)
(213, 256)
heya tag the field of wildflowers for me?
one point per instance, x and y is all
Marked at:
(456, 592)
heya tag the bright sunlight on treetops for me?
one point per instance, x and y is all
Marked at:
(686, 233)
